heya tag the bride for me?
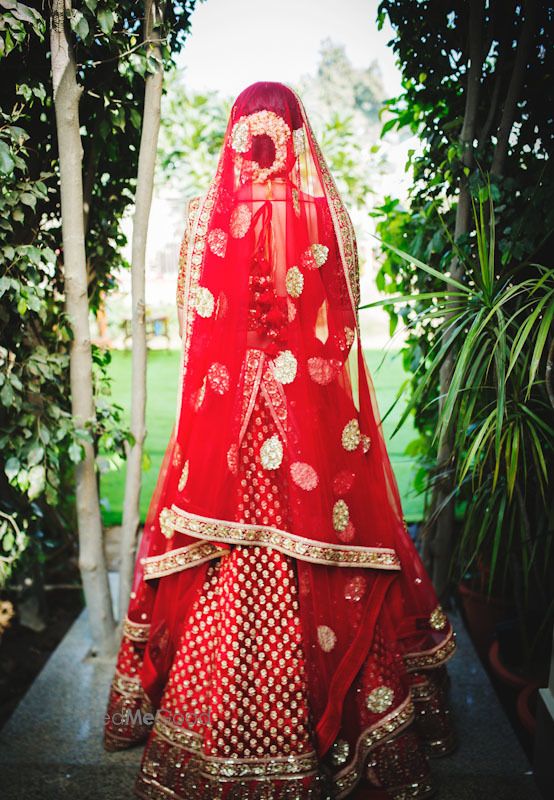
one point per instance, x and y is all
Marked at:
(283, 639)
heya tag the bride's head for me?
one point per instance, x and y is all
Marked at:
(263, 120)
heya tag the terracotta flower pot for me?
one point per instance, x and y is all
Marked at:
(526, 707)
(502, 671)
(482, 614)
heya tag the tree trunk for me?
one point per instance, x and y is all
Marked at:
(92, 563)
(439, 545)
(143, 202)
(514, 89)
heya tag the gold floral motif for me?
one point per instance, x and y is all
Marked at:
(314, 256)
(326, 637)
(355, 588)
(323, 370)
(184, 477)
(261, 123)
(284, 367)
(271, 453)
(217, 242)
(165, 523)
(339, 752)
(299, 141)
(380, 699)
(438, 619)
(241, 217)
(288, 543)
(204, 301)
(294, 282)
(233, 459)
(218, 377)
(304, 475)
(366, 442)
(341, 515)
(351, 435)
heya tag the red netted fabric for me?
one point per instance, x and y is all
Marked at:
(276, 516)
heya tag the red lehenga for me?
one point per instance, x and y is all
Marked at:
(283, 639)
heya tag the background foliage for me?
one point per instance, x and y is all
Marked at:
(38, 442)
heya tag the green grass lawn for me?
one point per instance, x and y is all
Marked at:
(163, 369)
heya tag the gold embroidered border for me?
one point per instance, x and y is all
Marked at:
(218, 768)
(178, 519)
(402, 716)
(182, 558)
(136, 631)
(181, 737)
(125, 685)
(427, 659)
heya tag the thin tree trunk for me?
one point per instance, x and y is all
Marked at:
(514, 88)
(91, 552)
(439, 546)
(143, 202)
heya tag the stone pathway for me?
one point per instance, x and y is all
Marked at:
(51, 748)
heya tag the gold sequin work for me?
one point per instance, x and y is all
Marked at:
(438, 619)
(304, 475)
(326, 637)
(217, 242)
(323, 370)
(204, 301)
(315, 256)
(218, 378)
(241, 217)
(340, 515)
(351, 435)
(380, 699)
(271, 453)
(294, 282)
(284, 367)
(339, 752)
(184, 476)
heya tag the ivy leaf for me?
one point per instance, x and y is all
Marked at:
(37, 477)
(75, 452)
(106, 21)
(6, 161)
(11, 468)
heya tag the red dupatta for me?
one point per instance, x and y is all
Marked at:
(271, 293)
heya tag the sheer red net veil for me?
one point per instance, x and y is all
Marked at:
(270, 294)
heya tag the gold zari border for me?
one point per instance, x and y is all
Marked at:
(136, 631)
(389, 726)
(428, 659)
(176, 519)
(223, 769)
(182, 558)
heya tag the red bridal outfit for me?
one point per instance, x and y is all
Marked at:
(283, 639)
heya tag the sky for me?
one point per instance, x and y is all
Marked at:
(233, 43)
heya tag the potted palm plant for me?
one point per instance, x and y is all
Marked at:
(500, 419)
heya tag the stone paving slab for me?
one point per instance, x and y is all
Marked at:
(51, 748)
